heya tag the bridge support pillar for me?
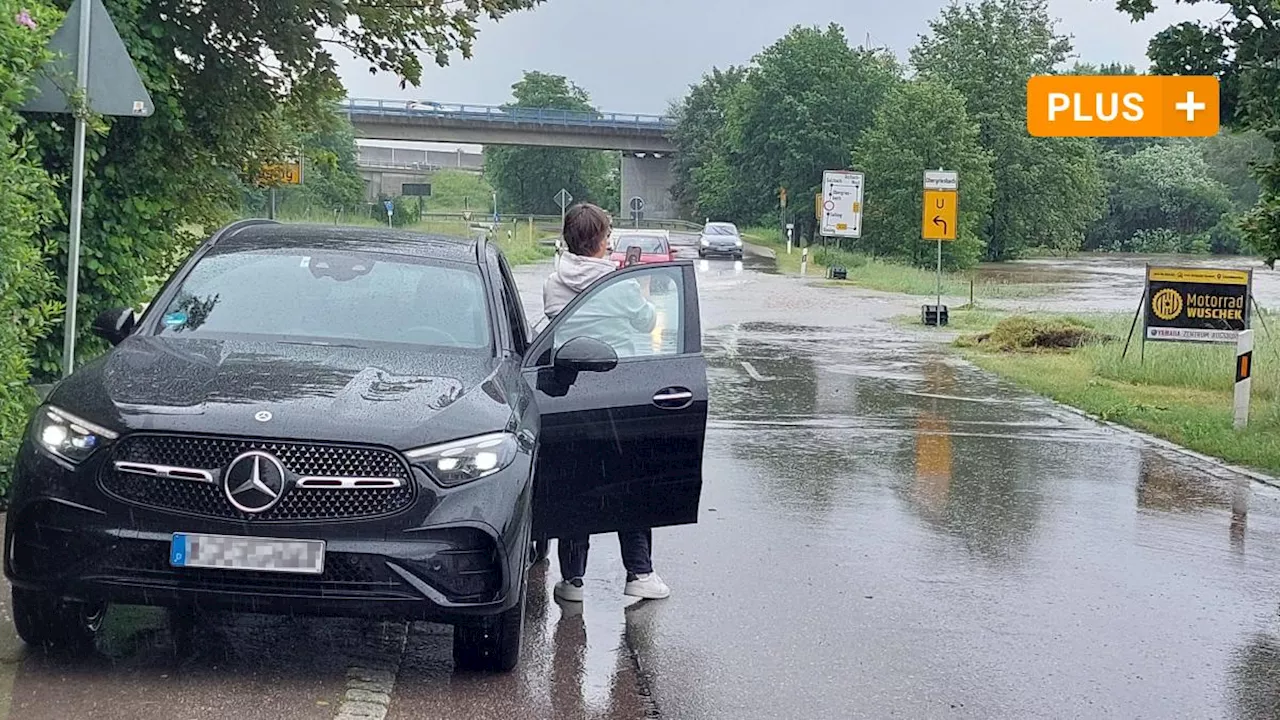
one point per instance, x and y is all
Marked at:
(647, 175)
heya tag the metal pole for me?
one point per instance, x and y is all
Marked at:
(939, 307)
(77, 195)
(1134, 324)
(271, 209)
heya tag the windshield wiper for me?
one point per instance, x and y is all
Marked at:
(318, 343)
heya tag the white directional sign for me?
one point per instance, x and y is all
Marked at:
(941, 180)
(842, 203)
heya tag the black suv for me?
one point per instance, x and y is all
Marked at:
(314, 419)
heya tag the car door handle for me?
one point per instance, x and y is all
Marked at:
(673, 398)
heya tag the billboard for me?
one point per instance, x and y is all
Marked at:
(1196, 304)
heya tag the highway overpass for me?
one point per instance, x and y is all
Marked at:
(643, 140)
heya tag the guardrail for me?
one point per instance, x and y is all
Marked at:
(519, 115)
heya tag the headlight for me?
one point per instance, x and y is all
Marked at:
(461, 461)
(737, 241)
(71, 438)
(706, 241)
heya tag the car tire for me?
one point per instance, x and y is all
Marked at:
(494, 644)
(702, 254)
(53, 624)
(737, 256)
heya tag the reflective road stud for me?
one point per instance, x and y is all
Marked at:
(1244, 377)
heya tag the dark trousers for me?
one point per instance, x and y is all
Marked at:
(637, 553)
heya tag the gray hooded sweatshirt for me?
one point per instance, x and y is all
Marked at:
(615, 315)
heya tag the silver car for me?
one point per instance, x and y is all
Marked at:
(720, 238)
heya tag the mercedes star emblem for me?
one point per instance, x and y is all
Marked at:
(254, 481)
(262, 415)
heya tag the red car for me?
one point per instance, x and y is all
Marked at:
(652, 246)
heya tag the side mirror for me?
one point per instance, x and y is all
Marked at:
(114, 325)
(584, 354)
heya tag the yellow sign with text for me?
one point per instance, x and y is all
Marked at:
(940, 215)
(281, 174)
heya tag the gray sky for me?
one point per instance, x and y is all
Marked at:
(638, 56)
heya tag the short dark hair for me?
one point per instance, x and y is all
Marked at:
(586, 227)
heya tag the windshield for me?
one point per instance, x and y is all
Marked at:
(720, 230)
(647, 244)
(333, 298)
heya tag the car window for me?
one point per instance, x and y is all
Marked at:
(720, 230)
(648, 244)
(514, 308)
(638, 314)
(331, 297)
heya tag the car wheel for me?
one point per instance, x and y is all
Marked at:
(493, 645)
(49, 622)
(737, 256)
(702, 253)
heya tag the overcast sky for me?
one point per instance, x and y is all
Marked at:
(638, 56)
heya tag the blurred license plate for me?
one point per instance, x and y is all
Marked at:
(228, 552)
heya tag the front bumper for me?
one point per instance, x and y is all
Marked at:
(720, 249)
(452, 556)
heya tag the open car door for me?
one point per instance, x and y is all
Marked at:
(621, 387)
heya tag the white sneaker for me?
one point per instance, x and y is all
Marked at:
(569, 590)
(648, 586)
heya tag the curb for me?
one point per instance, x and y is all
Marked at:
(1214, 462)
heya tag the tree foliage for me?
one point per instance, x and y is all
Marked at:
(701, 121)
(1163, 194)
(232, 81)
(28, 291)
(1047, 190)
(527, 179)
(1241, 48)
(922, 125)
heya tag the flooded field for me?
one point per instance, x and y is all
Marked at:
(1110, 282)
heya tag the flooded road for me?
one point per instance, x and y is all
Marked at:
(885, 532)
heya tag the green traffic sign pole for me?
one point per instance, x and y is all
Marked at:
(77, 197)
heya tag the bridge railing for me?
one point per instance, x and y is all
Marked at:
(494, 113)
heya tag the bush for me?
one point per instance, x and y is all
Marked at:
(1028, 333)
(28, 291)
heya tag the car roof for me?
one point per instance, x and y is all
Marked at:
(249, 235)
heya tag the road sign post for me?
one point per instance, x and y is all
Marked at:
(563, 198)
(841, 211)
(390, 206)
(938, 222)
(88, 47)
(790, 229)
(1244, 378)
(637, 207)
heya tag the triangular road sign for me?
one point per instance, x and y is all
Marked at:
(113, 88)
(466, 215)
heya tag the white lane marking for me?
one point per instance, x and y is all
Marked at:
(755, 374)
(372, 678)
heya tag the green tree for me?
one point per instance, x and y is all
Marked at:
(1047, 190)
(801, 109)
(1232, 157)
(1242, 48)
(28, 204)
(232, 81)
(699, 136)
(528, 178)
(331, 176)
(1165, 193)
(922, 125)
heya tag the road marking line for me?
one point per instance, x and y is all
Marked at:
(371, 681)
(755, 374)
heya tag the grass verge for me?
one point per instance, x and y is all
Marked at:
(887, 276)
(1179, 392)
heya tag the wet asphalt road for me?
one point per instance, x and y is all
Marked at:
(885, 532)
